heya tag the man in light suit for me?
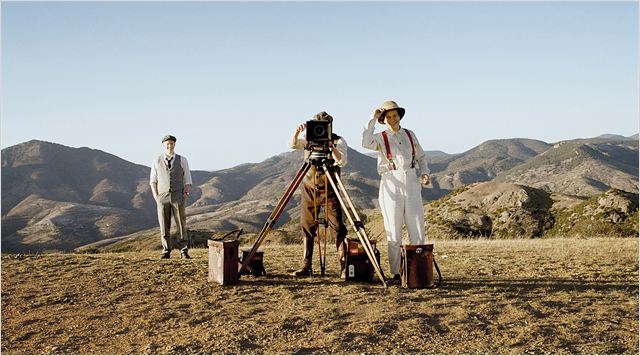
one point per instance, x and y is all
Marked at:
(171, 182)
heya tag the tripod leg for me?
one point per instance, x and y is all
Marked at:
(316, 221)
(321, 233)
(362, 236)
(322, 236)
(275, 214)
(358, 223)
(326, 223)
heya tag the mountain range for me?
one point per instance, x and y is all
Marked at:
(57, 198)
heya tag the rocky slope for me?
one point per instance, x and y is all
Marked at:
(490, 209)
(503, 210)
(612, 213)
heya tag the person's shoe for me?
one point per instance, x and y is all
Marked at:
(165, 255)
(395, 279)
(185, 255)
(305, 271)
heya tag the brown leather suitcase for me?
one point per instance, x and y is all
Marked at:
(357, 264)
(223, 261)
(416, 267)
(256, 265)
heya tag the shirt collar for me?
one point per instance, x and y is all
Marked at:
(390, 131)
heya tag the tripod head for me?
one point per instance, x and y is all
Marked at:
(319, 155)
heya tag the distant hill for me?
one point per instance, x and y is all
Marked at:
(483, 162)
(57, 198)
(78, 175)
(583, 167)
(244, 196)
(618, 137)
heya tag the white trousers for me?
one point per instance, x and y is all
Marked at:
(400, 199)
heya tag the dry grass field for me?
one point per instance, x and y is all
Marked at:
(560, 296)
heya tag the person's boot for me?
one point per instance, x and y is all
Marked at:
(395, 280)
(342, 256)
(166, 254)
(305, 271)
(185, 254)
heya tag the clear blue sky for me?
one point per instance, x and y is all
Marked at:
(231, 80)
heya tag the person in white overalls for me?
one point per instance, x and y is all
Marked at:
(402, 165)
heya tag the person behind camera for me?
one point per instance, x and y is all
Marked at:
(170, 181)
(309, 225)
(402, 165)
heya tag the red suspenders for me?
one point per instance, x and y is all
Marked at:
(413, 149)
(386, 146)
(388, 149)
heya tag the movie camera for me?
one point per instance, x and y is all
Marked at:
(319, 138)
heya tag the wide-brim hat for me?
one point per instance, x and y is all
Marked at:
(388, 106)
(169, 138)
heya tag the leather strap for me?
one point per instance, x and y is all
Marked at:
(436, 285)
(413, 149)
(388, 149)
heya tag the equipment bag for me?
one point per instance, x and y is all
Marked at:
(416, 267)
(357, 264)
(256, 265)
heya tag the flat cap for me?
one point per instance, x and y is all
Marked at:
(169, 138)
(323, 116)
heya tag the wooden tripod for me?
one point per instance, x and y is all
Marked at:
(341, 193)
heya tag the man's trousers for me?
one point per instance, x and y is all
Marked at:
(310, 226)
(400, 199)
(177, 210)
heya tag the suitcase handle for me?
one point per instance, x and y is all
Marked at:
(436, 285)
(224, 238)
(406, 272)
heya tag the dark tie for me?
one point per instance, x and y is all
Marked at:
(168, 162)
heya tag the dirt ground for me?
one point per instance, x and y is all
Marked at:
(560, 296)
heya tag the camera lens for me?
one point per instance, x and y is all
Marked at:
(319, 131)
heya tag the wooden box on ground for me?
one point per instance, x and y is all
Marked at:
(223, 261)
